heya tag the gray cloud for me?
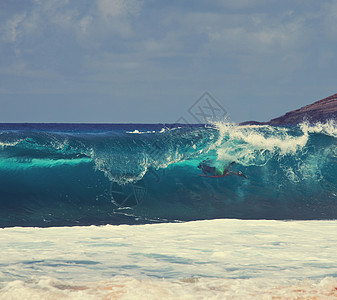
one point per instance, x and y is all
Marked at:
(159, 50)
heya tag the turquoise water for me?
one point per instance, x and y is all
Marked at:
(66, 174)
(54, 175)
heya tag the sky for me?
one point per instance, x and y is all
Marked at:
(147, 61)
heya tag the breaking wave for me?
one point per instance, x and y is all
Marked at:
(99, 174)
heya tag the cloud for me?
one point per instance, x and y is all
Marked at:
(12, 28)
(108, 8)
(101, 45)
(85, 23)
(330, 20)
(59, 35)
(112, 63)
(239, 4)
(248, 33)
(78, 18)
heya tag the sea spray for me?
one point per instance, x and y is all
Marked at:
(134, 174)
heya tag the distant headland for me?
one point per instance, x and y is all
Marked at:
(319, 111)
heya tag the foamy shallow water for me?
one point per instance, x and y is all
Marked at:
(217, 259)
(131, 288)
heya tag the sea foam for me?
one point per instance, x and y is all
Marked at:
(218, 259)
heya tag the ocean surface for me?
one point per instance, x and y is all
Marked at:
(120, 211)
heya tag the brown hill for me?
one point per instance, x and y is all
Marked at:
(319, 111)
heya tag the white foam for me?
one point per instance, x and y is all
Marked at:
(254, 145)
(4, 145)
(327, 128)
(162, 130)
(233, 259)
(190, 288)
(141, 132)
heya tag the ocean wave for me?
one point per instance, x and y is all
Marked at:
(291, 173)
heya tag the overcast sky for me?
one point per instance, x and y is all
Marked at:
(148, 61)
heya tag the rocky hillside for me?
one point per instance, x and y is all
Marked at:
(318, 111)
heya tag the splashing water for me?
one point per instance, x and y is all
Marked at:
(138, 174)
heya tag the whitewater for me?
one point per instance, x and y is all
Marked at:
(119, 211)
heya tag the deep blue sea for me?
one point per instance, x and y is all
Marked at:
(120, 211)
(92, 174)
